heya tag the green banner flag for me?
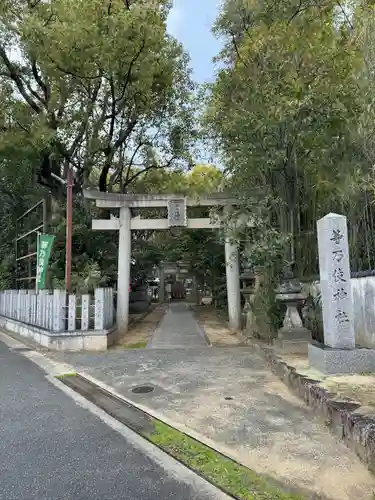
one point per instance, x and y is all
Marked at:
(45, 242)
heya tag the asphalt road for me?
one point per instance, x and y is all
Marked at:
(52, 448)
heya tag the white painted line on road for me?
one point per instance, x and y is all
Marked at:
(173, 468)
(48, 365)
(10, 341)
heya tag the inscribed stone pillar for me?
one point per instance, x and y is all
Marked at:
(72, 312)
(335, 283)
(99, 309)
(85, 312)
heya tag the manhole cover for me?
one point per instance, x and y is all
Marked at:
(143, 389)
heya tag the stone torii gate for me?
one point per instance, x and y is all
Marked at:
(177, 217)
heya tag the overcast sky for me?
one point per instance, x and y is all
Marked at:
(190, 22)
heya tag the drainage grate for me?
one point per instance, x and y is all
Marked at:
(117, 408)
(143, 389)
(228, 398)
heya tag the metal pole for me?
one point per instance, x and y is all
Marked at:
(69, 224)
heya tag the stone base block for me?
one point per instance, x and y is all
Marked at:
(339, 361)
(62, 341)
(291, 346)
(293, 340)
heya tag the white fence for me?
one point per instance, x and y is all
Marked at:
(57, 312)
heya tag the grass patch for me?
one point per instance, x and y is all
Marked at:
(235, 479)
(137, 345)
(228, 475)
(64, 375)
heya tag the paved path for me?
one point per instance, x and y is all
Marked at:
(51, 448)
(178, 329)
(263, 425)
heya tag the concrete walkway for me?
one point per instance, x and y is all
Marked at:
(229, 398)
(178, 329)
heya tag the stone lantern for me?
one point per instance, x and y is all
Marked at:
(293, 337)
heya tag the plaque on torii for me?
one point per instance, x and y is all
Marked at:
(177, 212)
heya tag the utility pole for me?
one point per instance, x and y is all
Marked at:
(69, 225)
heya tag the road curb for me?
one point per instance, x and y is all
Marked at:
(206, 337)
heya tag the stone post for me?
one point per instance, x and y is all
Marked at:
(50, 312)
(99, 309)
(72, 312)
(108, 308)
(195, 295)
(161, 284)
(85, 312)
(123, 280)
(23, 305)
(59, 302)
(18, 315)
(338, 354)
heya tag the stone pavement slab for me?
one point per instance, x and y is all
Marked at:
(178, 329)
(229, 396)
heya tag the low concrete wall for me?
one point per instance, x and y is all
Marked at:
(363, 293)
(62, 341)
(363, 290)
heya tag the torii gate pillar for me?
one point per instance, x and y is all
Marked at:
(124, 260)
(233, 280)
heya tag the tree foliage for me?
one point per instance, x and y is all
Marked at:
(283, 113)
(94, 83)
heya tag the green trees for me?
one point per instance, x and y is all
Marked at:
(94, 84)
(17, 193)
(283, 112)
(97, 86)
